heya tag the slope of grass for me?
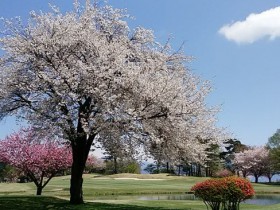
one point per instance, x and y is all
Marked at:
(44, 203)
(263, 188)
(120, 184)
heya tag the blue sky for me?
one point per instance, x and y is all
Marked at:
(241, 60)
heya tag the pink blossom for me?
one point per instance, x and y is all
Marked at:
(38, 157)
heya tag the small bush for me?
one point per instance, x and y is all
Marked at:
(223, 173)
(224, 193)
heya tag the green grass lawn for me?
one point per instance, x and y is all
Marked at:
(127, 184)
(52, 203)
(263, 188)
(56, 194)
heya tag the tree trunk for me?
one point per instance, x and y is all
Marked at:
(179, 172)
(115, 165)
(256, 178)
(76, 191)
(157, 167)
(80, 143)
(191, 170)
(39, 190)
(79, 154)
(237, 173)
(199, 170)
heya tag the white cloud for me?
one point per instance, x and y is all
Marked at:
(254, 27)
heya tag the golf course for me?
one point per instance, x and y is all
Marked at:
(118, 192)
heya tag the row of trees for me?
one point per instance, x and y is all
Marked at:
(217, 157)
(233, 156)
(39, 158)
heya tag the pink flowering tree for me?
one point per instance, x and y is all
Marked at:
(39, 158)
(94, 164)
(254, 161)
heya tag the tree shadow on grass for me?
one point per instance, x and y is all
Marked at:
(50, 203)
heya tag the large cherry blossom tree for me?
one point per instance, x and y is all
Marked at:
(81, 72)
(38, 157)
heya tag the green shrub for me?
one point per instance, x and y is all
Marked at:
(9, 173)
(133, 168)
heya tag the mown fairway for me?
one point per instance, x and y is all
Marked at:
(56, 194)
(108, 185)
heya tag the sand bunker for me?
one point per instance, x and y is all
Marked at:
(138, 179)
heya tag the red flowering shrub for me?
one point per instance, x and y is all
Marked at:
(224, 193)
